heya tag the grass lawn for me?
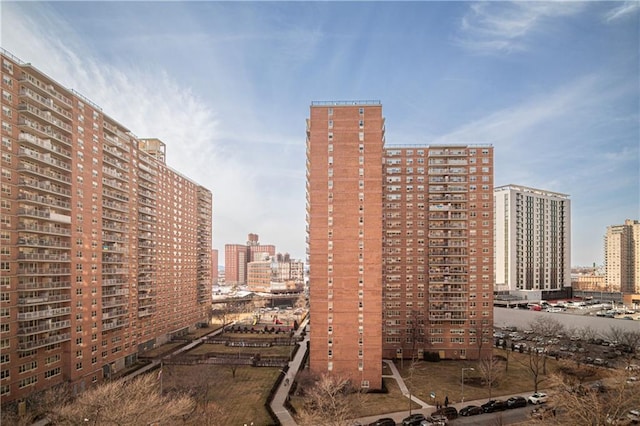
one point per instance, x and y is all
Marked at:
(371, 404)
(240, 399)
(444, 378)
(381, 403)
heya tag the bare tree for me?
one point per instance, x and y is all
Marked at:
(133, 402)
(579, 405)
(626, 340)
(330, 401)
(482, 333)
(227, 313)
(548, 328)
(491, 371)
(534, 361)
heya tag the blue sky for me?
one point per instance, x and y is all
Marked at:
(554, 87)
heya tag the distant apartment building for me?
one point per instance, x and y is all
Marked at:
(237, 257)
(400, 245)
(533, 242)
(589, 282)
(214, 266)
(260, 274)
(235, 264)
(273, 274)
(97, 262)
(622, 257)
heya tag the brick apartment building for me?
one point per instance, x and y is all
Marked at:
(237, 257)
(105, 250)
(400, 245)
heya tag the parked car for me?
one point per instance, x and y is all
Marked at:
(449, 412)
(541, 413)
(494, 405)
(538, 398)
(413, 420)
(516, 402)
(470, 410)
(634, 416)
(384, 421)
(435, 420)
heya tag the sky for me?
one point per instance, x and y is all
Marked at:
(554, 87)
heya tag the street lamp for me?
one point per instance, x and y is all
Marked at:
(462, 381)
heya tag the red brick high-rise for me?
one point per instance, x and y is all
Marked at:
(400, 245)
(97, 262)
(344, 215)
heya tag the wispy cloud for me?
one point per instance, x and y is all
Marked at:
(535, 138)
(500, 27)
(151, 103)
(625, 9)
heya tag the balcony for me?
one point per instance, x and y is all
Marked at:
(50, 230)
(44, 186)
(110, 325)
(447, 152)
(114, 259)
(43, 242)
(42, 271)
(46, 102)
(462, 316)
(114, 313)
(44, 115)
(45, 257)
(46, 173)
(114, 217)
(114, 227)
(115, 195)
(44, 285)
(115, 173)
(115, 206)
(43, 143)
(46, 201)
(44, 328)
(47, 313)
(46, 89)
(114, 303)
(31, 301)
(43, 158)
(115, 163)
(114, 271)
(447, 289)
(44, 131)
(34, 344)
(118, 292)
(145, 312)
(115, 184)
(447, 307)
(110, 282)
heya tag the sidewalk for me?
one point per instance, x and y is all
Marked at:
(281, 395)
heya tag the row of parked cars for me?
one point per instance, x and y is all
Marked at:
(444, 414)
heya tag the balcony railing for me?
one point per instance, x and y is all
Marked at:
(43, 314)
(47, 173)
(45, 327)
(25, 346)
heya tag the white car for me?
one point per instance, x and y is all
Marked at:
(538, 398)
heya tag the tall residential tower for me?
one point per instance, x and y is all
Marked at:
(98, 262)
(622, 257)
(533, 242)
(400, 245)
